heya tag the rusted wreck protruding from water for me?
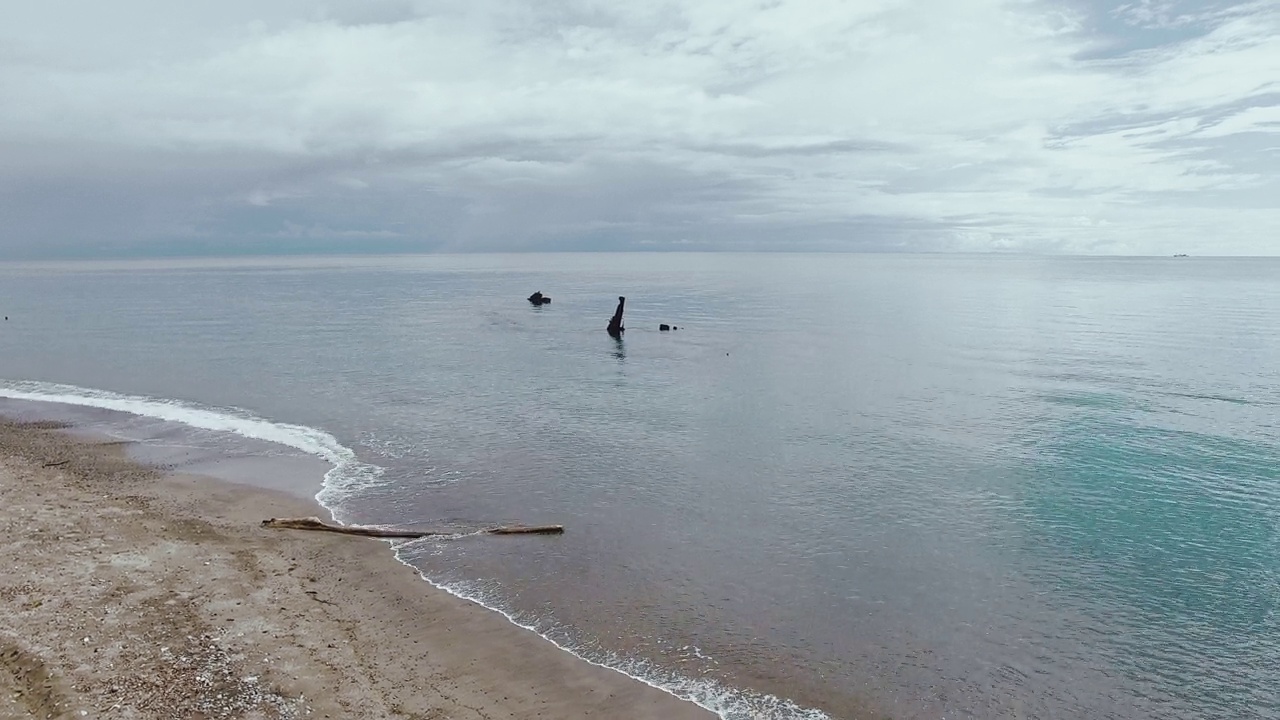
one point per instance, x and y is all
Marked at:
(615, 325)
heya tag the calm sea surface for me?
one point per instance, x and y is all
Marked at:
(918, 486)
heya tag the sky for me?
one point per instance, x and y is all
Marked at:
(1043, 126)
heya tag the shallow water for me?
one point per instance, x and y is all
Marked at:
(927, 486)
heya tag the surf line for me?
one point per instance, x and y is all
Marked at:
(241, 422)
(346, 475)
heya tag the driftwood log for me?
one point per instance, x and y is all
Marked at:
(312, 523)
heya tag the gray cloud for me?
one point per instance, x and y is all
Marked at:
(1136, 127)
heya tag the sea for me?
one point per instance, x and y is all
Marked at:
(847, 486)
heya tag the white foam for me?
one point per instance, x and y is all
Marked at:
(346, 475)
(726, 702)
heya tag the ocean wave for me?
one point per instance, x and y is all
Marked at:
(347, 475)
(729, 703)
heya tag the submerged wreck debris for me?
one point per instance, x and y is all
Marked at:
(615, 325)
(312, 523)
(539, 299)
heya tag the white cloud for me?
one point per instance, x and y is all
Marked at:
(924, 124)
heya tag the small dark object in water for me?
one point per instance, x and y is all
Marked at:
(539, 299)
(673, 327)
(664, 327)
(615, 328)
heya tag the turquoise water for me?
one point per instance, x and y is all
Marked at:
(919, 486)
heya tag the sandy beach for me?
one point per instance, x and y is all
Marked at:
(129, 593)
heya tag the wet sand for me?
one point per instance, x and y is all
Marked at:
(129, 593)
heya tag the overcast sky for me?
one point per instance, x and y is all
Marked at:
(1135, 127)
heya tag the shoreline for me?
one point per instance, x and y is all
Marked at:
(135, 593)
(96, 414)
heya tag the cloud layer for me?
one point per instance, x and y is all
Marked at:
(1149, 126)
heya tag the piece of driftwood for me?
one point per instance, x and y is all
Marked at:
(524, 530)
(312, 523)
